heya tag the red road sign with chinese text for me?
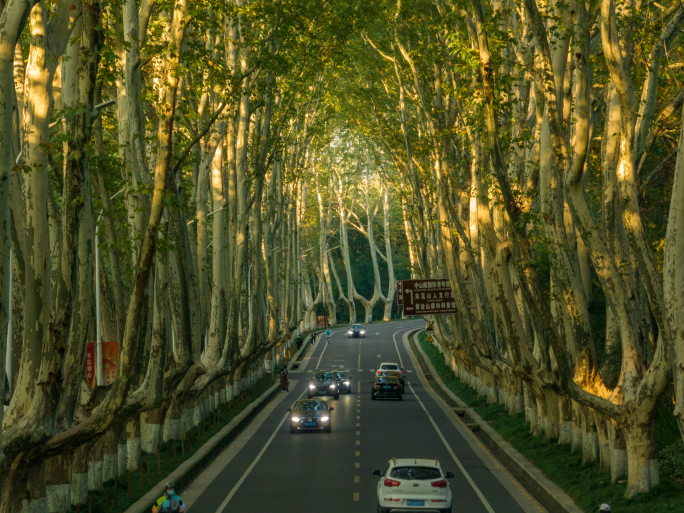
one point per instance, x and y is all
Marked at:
(427, 297)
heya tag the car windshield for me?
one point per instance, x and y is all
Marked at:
(341, 375)
(356, 326)
(310, 406)
(323, 376)
(415, 473)
(390, 366)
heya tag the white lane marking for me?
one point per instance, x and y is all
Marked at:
(322, 352)
(225, 502)
(453, 455)
(394, 337)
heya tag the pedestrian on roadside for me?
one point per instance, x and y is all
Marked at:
(313, 337)
(284, 383)
(169, 502)
(604, 508)
(300, 341)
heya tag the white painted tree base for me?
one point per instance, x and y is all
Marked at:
(133, 448)
(590, 446)
(618, 464)
(58, 498)
(95, 476)
(229, 393)
(172, 429)
(122, 459)
(110, 467)
(150, 437)
(79, 489)
(35, 506)
(565, 436)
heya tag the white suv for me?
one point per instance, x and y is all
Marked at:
(413, 485)
(389, 366)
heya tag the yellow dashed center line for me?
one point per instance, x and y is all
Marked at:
(358, 453)
(356, 496)
(358, 433)
(356, 479)
(357, 465)
(358, 442)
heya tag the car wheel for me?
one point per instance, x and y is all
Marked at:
(381, 509)
(336, 396)
(399, 396)
(309, 396)
(328, 429)
(293, 429)
(446, 510)
(403, 390)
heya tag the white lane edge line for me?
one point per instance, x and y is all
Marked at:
(319, 358)
(453, 455)
(235, 488)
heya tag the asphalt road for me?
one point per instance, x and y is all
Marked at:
(268, 469)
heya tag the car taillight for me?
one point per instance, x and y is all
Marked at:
(438, 500)
(439, 484)
(377, 386)
(395, 386)
(378, 372)
(392, 482)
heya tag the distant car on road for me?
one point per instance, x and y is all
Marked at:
(386, 386)
(310, 414)
(356, 330)
(323, 383)
(396, 374)
(413, 485)
(389, 366)
(344, 380)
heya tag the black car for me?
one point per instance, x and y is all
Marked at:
(396, 374)
(386, 386)
(323, 383)
(310, 414)
(356, 330)
(345, 381)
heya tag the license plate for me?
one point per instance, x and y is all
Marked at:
(309, 424)
(413, 502)
(387, 386)
(321, 392)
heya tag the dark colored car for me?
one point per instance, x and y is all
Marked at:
(386, 386)
(356, 331)
(323, 383)
(310, 414)
(396, 374)
(345, 381)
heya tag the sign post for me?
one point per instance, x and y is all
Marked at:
(427, 297)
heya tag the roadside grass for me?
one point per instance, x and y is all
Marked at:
(587, 484)
(103, 502)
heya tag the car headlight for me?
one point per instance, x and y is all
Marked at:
(363, 332)
(332, 386)
(350, 332)
(312, 387)
(296, 419)
(325, 419)
(346, 382)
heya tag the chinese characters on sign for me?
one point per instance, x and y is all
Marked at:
(427, 297)
(110, 362)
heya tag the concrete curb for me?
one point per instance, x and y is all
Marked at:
(548, 493)
(194, 465)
